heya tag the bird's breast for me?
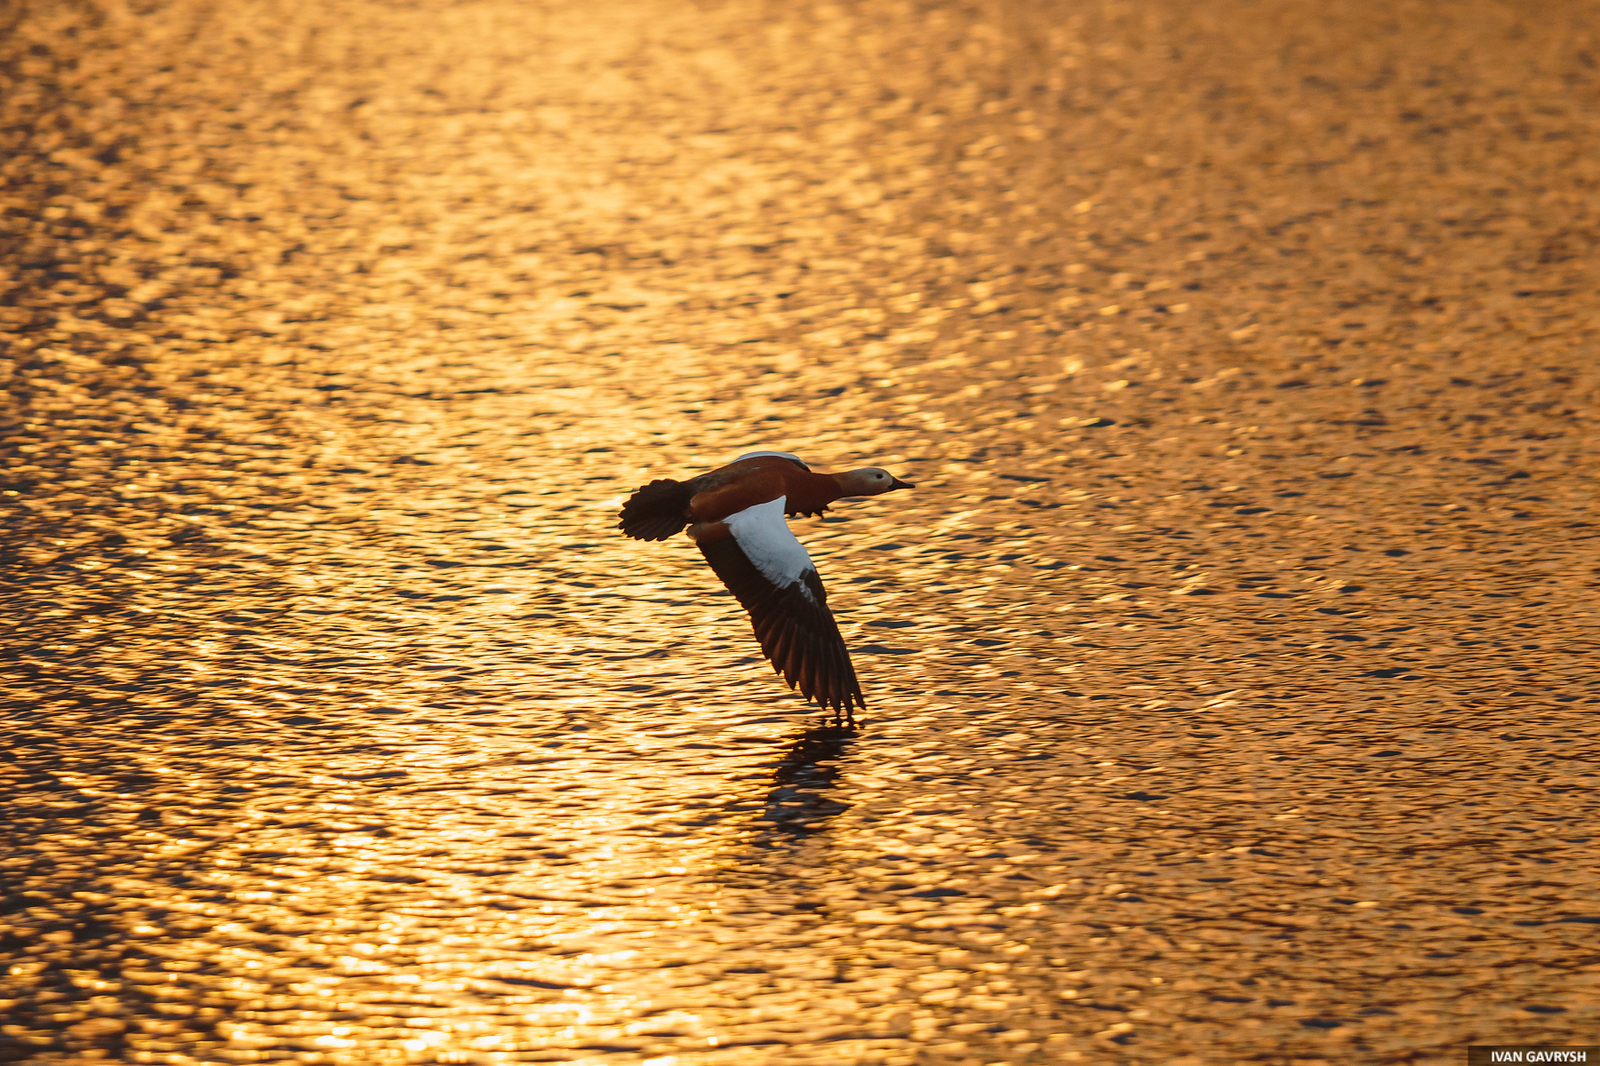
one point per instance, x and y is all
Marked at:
(811, 492)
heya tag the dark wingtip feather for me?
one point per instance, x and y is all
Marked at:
(797, 632)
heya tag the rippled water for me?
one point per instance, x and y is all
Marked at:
(1229, 672)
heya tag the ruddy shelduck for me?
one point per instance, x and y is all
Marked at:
(736, 515)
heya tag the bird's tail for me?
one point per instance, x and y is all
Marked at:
(657, 511)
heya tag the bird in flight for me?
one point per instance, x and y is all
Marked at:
(736, 515)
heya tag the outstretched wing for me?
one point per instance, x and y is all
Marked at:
(769, 572)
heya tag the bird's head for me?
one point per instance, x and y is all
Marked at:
(869, 481)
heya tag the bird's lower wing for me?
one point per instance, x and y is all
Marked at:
(768, 570)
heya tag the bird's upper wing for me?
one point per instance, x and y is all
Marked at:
(769, 572)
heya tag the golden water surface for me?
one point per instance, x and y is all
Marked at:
(1230, 672)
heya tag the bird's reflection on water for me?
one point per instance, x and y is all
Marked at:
(797, 803)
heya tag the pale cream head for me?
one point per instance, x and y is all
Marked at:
(869, 481)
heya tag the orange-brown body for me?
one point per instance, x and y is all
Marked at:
(663, 507)
(733, 515)
(732, 488)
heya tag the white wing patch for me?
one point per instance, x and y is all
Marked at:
(781, 455)
(766, 540)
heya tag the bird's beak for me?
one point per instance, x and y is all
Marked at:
(896, 483)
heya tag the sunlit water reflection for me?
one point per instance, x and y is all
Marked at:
(1222, 691)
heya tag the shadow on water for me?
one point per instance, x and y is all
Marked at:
(796, 804)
